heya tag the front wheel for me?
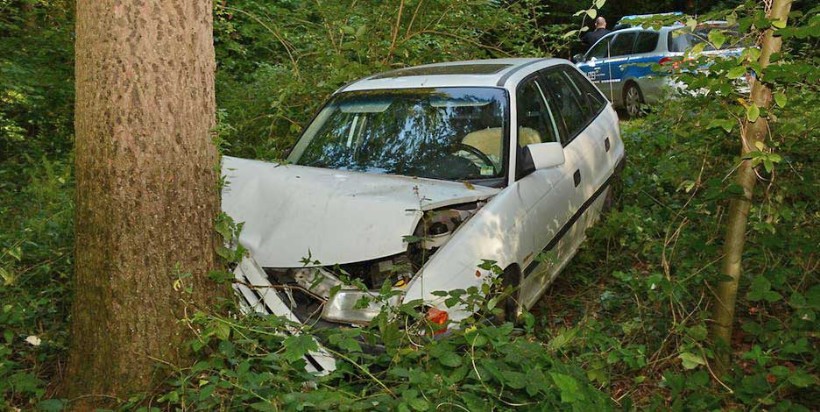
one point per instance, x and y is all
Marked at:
(509, 307)
(633, 100)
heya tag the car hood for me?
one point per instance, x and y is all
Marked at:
(293, 214)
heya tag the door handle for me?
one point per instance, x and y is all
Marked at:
(577, 177)
(606, 143)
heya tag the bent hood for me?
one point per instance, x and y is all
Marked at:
(292, 213)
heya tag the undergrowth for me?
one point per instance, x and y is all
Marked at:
(625, 325)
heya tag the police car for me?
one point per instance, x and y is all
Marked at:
(621, 63)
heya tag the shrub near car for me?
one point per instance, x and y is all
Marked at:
(412, 178)
(620, 63)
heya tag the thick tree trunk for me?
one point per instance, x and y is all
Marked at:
(723, 313)
(146, 171)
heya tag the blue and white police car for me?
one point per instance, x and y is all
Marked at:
(621, 63)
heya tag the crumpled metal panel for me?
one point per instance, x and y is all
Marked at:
(293, 212)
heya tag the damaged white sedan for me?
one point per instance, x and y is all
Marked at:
(416, 176)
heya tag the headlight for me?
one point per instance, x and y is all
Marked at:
(349, 306)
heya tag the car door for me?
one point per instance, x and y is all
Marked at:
(644, 53)
(552, 215)
(546, 194)
(581, 175)
(595, 64)
(620, 51)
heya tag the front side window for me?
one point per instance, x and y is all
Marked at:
(439, 133)
(600, 50)
(535, 122)
(622, 45)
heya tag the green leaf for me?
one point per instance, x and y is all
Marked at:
(691, 24)
(690, 360)
(221, 330)
(476, 339)
(299, 345)
(697, 332)
(592, 13)
(752, 113)
(725, 124)
(759, 289)
(772, 296)
(599, 3)
(536, 382)
(780, 99)
(736, 72)
(513, 379)
(570, 33)
(51, 405)
(563, 339)
(419, 404)
(780, 371)
(570, 390)
(780, 24)
(801, 379)
(698, 48)
(264, 406)
(717, 38)
(7, 277)
(768, 165)
(450, 359)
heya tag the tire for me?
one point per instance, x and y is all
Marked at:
(612, 200)
(633, 100)
(509, 307)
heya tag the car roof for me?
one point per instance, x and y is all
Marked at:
(467, 73)
(650, 15)
(640, 28)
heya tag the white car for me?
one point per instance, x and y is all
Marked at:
(414, 177)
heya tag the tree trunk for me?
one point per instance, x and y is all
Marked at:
(723, 313)
(146, 173)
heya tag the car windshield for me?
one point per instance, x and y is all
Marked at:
(452, 133)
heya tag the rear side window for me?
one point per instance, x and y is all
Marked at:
(622, 45)
(679, 40)
(647, 42)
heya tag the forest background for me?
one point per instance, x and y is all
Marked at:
(626, 323)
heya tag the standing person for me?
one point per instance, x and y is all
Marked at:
(600, 31)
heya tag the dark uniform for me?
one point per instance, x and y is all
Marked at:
(593, 36)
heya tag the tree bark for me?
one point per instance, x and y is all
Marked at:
(723, 313)
(146, 172)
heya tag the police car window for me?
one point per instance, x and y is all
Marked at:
(536, 123)
(601, 49)
(622, 45)
(647, 42)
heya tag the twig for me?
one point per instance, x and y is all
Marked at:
(395, 34)
(275, 34)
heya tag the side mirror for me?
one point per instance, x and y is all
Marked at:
(539, 156)
(546, 155)
(578, 58)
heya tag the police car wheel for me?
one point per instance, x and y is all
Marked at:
(633, 100)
